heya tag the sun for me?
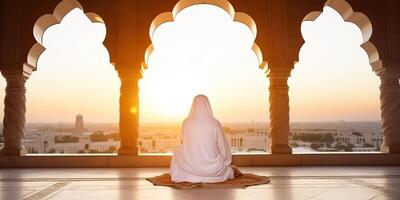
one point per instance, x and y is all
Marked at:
(169, 100)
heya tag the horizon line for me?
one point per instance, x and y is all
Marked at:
(258, 122)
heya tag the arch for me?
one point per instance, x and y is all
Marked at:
(337, 53)
(357, 18)
(75, 46)
(223, 4)
(48, 20)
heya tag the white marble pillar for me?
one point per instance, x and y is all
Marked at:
(278, 74)
(14, 113)
(129, 110)
(390, 112)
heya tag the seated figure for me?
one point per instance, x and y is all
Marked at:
(204, 155)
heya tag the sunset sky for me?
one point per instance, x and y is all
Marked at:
(203, 51)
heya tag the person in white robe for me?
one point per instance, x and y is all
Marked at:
(204, 155)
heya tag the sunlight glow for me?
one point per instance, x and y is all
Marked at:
(203, 52)
(133, 110)
(74, 74)
(333, 80)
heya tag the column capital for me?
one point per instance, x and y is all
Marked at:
(387, 67)
(14, 75)
(389, 82)
(386, 76)
(15, 71)
(129, 69)
(280, 68)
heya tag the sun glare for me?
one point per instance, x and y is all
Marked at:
(203, 52)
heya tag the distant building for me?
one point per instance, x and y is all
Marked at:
(358, 139)
(46, 142)
(240, 140)
(79, 122)
(159, 142)
(49, 139)
(366, 141)
(248, 140)
(86, 146)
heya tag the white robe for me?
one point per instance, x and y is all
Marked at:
(205, 155)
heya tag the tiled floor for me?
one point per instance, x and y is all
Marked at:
(128, 183)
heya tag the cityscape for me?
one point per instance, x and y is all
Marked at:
(244, 138)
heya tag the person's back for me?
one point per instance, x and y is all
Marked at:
(205, 155)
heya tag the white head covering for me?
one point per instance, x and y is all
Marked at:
(205, 155)
(201, 108)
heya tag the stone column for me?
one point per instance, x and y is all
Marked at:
(14, 113)
(129, 109)
(390, 112)
(278, 74)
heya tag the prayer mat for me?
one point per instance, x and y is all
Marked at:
(243, 181)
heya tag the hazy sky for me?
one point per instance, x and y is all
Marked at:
(74, 75)
(333, 79)
(203, 51)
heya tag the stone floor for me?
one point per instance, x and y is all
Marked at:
(128, 183)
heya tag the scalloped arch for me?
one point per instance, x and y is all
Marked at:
(224, 4)
(46, 21)
(357, 18)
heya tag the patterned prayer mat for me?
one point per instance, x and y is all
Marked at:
(238, 182)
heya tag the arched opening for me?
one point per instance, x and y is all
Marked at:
(73, 75)
(334, 94)
(204, 48)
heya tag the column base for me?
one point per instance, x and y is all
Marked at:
(390, 149)
(281, 149)
(12, 152)
(128, 151)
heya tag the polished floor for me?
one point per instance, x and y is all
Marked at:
(317, 183)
